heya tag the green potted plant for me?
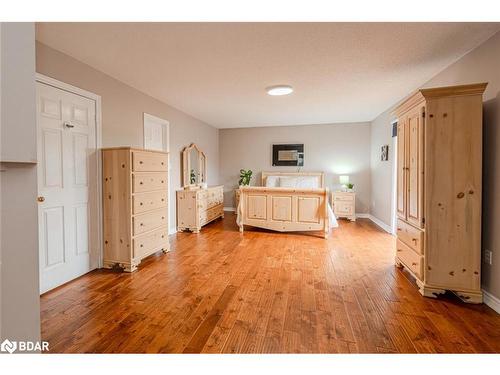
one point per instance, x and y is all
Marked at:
(350, 186)
(245, 177)
(192, 177)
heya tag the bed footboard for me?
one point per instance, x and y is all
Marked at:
(284, 209)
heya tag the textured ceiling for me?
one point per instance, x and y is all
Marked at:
(218, 72)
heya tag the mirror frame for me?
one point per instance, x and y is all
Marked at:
(186, 166)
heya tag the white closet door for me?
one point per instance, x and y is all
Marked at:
(66, 126)
(155, 133)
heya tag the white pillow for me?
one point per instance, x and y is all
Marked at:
(289, 182)
(272, 181)
(308, 183)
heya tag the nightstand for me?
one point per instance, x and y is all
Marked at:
(344, 204)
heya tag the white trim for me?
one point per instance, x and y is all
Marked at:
(98, 134)
(172, 230)
(491, 301)
(362, 216)
(230, 209)
(380, 223)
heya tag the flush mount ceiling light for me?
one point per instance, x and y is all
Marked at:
(279, 90)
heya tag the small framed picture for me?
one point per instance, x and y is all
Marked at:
(384, 156)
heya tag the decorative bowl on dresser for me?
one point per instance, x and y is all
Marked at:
(439, 171)
(135, 202)
(197, 205)
(344, 204)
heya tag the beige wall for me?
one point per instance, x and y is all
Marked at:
(335, 149)
(479, 65)
(122, 115)
(19, 288)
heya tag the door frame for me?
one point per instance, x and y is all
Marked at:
(98, 135)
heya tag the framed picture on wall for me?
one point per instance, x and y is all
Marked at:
(384, 156)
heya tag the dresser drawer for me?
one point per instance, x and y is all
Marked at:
(148, 201)
(343, 208)
(149, 181)
(149, 162)
(150, 242)
(210, 214)
(149, 221)
(214, 197)
(343, 197)
(411, 236)
(410, 258)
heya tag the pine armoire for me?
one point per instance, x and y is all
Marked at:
(439, 171)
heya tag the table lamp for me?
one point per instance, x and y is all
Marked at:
(344, 180)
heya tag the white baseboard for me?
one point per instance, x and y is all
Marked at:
(381, 224)
(231, 209)
(362, 216)
(492, 301)
(172, 230)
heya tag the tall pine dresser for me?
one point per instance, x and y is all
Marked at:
(135, 202)
(439, 171)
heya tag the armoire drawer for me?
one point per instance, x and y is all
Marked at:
(149, 181)
(146, 243)
(411, 236)
(149, 221)
(149, 162)
(148, 201)
(410, 258)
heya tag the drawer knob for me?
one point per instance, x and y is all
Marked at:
(414, 264)
(414, 240)
(140, 204)
(140, 183)
(140, 162)
(142, 224)
(163, 217)
(142, 245)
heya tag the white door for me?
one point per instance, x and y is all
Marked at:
(66, 125)
(155, 133)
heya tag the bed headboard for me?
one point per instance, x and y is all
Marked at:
(319, 175)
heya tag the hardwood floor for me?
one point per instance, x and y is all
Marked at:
(264, 292)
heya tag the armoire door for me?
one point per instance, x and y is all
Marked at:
(415, 151)
(401, 171)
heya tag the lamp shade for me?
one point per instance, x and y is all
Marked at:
(344, 180)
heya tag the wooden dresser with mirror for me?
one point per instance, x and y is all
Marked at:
(439, 171)
(197, 203)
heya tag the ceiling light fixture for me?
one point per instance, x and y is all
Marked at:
(279, 90)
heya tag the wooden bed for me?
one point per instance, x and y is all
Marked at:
(285, 209)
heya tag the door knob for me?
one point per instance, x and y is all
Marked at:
(41, 199)
(68, 125)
